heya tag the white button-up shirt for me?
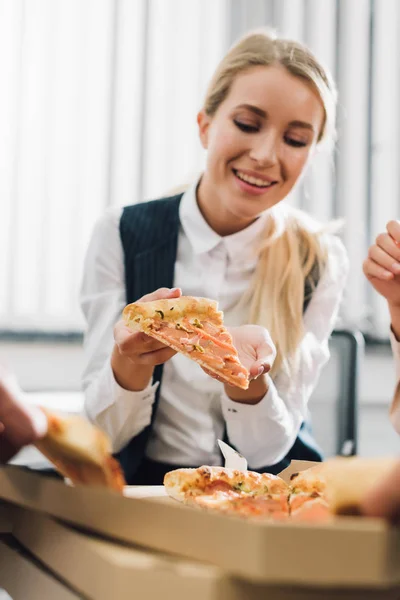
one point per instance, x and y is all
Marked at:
(193, 408)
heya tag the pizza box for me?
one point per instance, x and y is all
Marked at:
(7, 512)
(25, 579)
(100, 569)
(103, 569)
(347, 553)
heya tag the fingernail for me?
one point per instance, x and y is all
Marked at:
(259, 372)
(396, 267)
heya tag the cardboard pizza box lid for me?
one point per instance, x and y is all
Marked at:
(347, 552)
(101, 569)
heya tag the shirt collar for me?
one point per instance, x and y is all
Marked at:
(239, 246)
(201, 237)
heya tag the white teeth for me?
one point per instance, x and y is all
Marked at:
(253, 180)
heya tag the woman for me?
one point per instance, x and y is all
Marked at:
(229, 237)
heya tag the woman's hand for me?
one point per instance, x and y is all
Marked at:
(257, 353)
(136, 354)
(20, 424)
(382, 269)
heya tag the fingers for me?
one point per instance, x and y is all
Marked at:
(134, 342)
(383, 260)
(385, 253)
(258, 369)
(162, 294)
(393, 228)
(372, 270)
(139, 348)
(266, 355)
(157, 357)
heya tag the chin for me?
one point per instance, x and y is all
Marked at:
(245, 213)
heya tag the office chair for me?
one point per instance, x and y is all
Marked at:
(334, 403)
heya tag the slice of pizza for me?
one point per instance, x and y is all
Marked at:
(308, 499)
(80, 451)
(336, 486)
(244, 493)
(349, 480)
(194, 327)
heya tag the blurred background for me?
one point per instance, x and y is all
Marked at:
(98, 107)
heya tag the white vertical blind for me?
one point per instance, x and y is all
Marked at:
(289, 22)
(353, 77)
(321, 38)
(97, 107)
(184, 47)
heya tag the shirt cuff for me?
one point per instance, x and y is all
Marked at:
(396, 352)
(270, 406)
(121, 413)
(264, 432)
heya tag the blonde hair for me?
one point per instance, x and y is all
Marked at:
(291, 252)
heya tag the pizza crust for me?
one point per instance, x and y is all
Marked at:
(343, 482)
(173, 309)
(182, 484)
(80, 451)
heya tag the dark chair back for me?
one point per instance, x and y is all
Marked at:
(334, 403)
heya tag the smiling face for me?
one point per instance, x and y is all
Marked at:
(258, 143)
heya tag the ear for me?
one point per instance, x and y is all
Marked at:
(203, 122)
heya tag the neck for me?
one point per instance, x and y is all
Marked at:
(217, 217)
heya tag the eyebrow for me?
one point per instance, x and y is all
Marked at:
(261, 113)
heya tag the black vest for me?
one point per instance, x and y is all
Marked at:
(149, 236)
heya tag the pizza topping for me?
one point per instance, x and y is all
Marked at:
(182, 328)
(198, 348)
(160, 312)
(197, 323)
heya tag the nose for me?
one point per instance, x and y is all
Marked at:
(265, 149)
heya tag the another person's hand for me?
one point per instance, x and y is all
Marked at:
(382, 269)
(257, 353)
(20, 424)
(384, 500)
(136, 354)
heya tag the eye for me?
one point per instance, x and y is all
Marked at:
(246, 127)
(295, 143)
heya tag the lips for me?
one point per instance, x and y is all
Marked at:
(255, 181)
